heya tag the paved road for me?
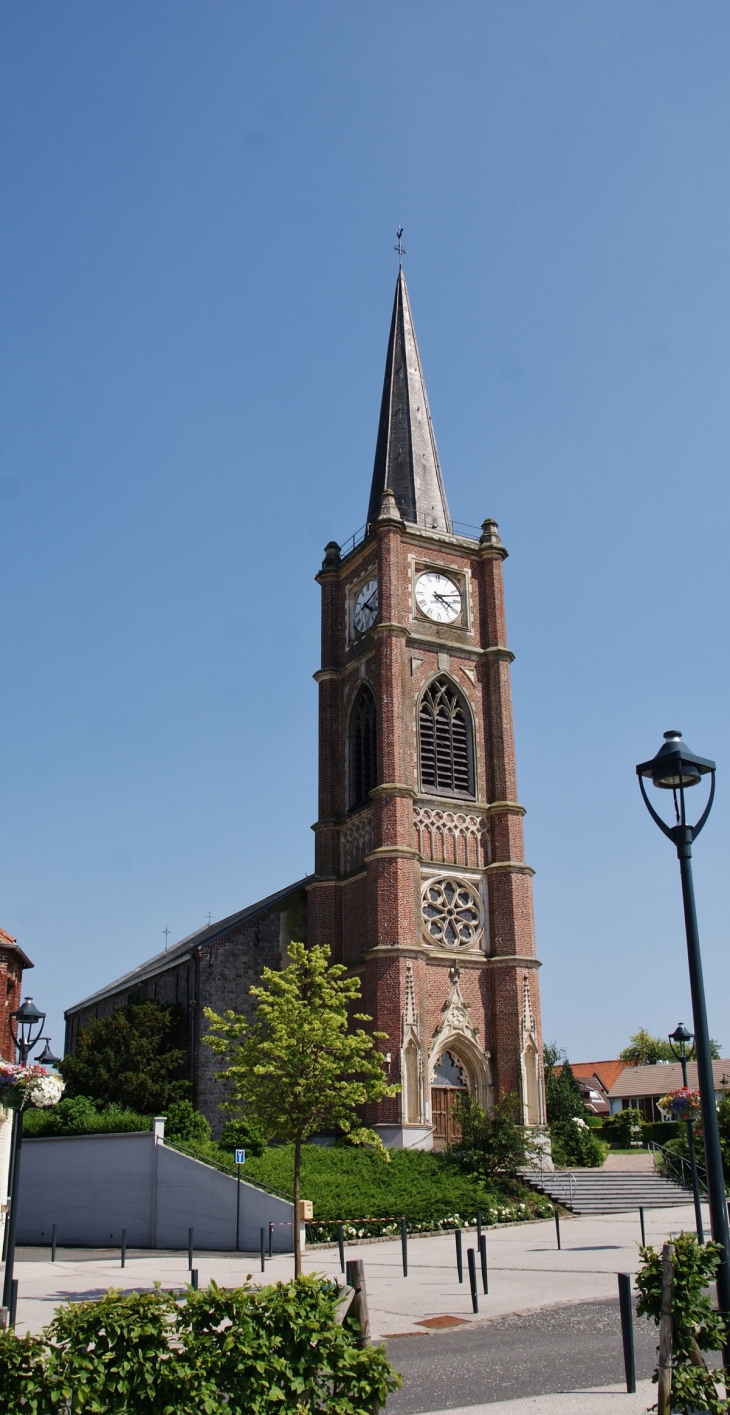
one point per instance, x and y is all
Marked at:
(558, 1349)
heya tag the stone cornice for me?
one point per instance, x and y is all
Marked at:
(513, 960)
(517, 867)
(500, 652)
(405, 852)
(324, 674)
(393, 788)
(505, 808)
(379, 630)
(432, 955)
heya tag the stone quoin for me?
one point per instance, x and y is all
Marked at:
(420, 884)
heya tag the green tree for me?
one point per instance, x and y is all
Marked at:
(563, 1095)
(490, 1145)
(645, 1050)
(298, 1068)
(133, 1057)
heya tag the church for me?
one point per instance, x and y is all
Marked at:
(419, 886)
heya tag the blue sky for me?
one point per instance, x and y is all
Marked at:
(199, 208)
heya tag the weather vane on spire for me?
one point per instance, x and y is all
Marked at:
(400, 248)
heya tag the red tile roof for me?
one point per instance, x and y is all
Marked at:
(607, 1072)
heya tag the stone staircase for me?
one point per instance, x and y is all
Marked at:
(596, 1191)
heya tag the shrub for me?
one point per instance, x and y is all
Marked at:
(23, 1382)
(573, 1143)
(430, 1190)
(624, 1130)
(238, 1352)
(185, 1123)
(243, 1135)
(77, 1115)
(696, 1326)
(490, 1145)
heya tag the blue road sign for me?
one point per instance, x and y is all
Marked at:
(240, 1156)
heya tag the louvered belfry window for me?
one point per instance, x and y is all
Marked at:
(363, 774)
(446, 748)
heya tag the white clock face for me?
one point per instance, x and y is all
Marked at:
(366, 607)
(438, 597)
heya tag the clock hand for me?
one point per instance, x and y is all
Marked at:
(447, 599)
(369, 601)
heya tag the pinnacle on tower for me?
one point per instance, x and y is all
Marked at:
(406, 460)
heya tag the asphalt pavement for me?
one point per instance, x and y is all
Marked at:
(559, 1349)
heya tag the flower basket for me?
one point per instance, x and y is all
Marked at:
(683, 1104)
(21, 1086)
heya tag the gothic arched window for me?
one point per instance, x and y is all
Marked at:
(362, 774)
(446, 744)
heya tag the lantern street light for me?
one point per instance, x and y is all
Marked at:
(26, 1026)
(681, 1046)
(675, 768)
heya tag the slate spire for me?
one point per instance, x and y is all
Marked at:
(406, 460)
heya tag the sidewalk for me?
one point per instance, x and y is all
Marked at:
(526, 1272)
(607, 1399)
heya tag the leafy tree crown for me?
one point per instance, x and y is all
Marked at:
(300, 1067)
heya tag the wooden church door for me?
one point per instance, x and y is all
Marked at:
(449, 1082)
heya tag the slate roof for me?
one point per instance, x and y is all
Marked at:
(664, 1077)
(406, 460)
(178, 951)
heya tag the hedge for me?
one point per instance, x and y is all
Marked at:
(218, 1352)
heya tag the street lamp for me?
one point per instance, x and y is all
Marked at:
(681, 1046)
(26, 1026)
(675, 768)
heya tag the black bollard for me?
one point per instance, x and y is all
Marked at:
(341, 1245)
(194, 1278)
(471, 1260)
(557, 1225)
(627, 1329)
(124, 1248)
(643, 1228)
(483, 1256)
(190, 1249)
(271, 1238)
(13, 1308)
(479, 1229)
(263, 1250)
(459, 1260)
(404, 1245)
(53, 1243)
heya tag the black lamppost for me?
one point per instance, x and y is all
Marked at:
(680, 1043)
(675, 768)
(26, 1026)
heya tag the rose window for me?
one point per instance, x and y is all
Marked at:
(452, 912)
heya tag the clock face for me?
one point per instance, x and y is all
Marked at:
(366, 607)
(438, 597)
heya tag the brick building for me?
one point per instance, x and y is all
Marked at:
(420, 885)
(13, 962)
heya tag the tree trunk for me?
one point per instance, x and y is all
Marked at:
(664, 1370)
(297, 1227)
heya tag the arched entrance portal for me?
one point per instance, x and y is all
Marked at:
(449, 1081)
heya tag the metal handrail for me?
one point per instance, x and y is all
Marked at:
(671, 1160)
(224, 1169)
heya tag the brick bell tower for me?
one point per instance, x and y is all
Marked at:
(420, 882)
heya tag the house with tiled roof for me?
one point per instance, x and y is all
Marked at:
(595, 1079)
(641, 1087)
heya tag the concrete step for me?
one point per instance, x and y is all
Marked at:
(591, 1191)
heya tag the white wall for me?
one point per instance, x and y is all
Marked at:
(6, 1132)
(93, 1186)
